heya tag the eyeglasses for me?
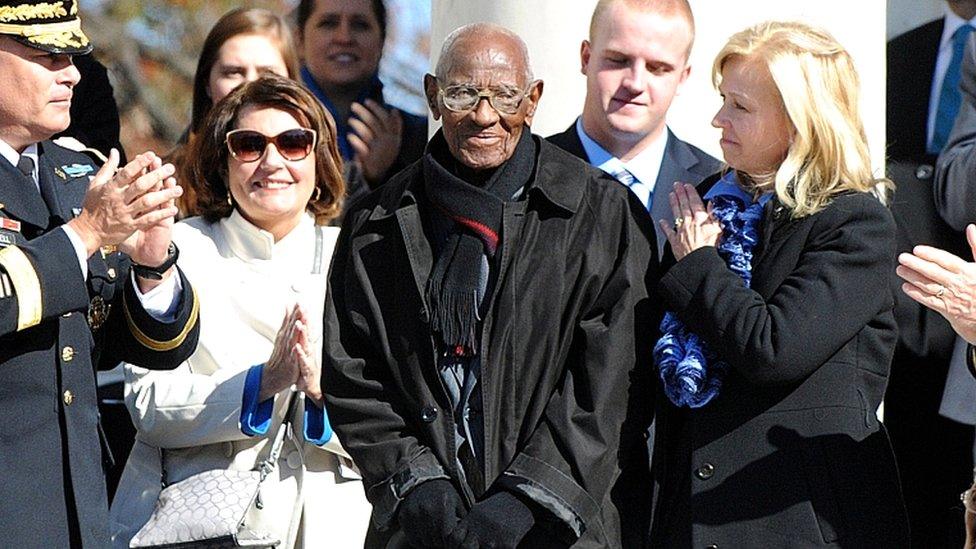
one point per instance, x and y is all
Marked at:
(249, 145)
(464, 97)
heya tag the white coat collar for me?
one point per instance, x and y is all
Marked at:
(248, 242)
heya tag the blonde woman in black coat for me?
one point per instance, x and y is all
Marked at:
(779, 331)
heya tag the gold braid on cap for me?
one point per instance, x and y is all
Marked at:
(61, 35)
(26, 12)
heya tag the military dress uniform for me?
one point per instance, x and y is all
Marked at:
(58, 323)
(55, 327)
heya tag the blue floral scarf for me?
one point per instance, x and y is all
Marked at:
(691, 372)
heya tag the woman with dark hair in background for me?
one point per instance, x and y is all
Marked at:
(341, 43)
(243, 44)
(269, 177)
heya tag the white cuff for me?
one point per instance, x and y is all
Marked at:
(161, 302)
(80, 249)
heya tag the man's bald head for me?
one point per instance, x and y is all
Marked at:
(483, 62)
(671, 8)
(480, 37)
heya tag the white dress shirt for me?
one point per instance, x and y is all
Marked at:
(644, 167)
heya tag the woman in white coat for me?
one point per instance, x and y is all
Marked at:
(258, 259)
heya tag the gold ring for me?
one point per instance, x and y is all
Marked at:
(941, 292)
(678, 223)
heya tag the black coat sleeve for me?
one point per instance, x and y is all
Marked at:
(839, 284)
(133, 335)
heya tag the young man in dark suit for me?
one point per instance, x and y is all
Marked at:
(635, 62)
(934, 453)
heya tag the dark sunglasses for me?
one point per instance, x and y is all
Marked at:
(249, 145)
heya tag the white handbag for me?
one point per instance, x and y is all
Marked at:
(211, 509)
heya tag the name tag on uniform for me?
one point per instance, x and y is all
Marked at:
(8, 231)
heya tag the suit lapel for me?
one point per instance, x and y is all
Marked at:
(675, 166)
(570, 142)
(46, 178)
(21, 199)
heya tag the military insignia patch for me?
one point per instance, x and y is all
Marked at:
(98, 312)
(74, 170)
(9, 224)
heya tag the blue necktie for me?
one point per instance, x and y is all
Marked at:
(949, 99)
(624, 176)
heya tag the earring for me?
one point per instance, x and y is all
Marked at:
(317, 194)
(230, 199)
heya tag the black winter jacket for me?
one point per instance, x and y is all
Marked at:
(565, 351)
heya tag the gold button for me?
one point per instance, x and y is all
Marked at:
(69, 397)
(67, 354)
(111, 273)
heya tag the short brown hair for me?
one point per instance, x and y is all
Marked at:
(234, 23)
(209, 155)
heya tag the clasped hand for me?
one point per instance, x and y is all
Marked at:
(293, 360)
(694, 225)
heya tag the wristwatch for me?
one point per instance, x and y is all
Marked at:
(156, 273)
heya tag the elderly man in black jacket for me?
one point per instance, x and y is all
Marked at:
(488, 328)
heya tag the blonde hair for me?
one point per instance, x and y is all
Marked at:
(819, 86)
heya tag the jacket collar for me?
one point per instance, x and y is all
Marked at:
(250, 243)
(21, 198)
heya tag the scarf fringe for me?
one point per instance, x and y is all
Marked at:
(454, 314)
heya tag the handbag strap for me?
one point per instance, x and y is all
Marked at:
(269, 464)
(319, 242)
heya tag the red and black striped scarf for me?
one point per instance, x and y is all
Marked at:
(456, 279)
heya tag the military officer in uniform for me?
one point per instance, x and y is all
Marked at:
(70, 299)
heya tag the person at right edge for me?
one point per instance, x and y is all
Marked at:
(488, 310)
(779, 330)
(928, 411)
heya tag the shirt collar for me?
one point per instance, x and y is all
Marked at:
(13, 156)
(952, 23)
(728, 185)
(645, 166)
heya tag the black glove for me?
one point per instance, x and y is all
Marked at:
(501, 521)
(430, 512)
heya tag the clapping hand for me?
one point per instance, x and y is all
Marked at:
(944, 283)
(121, 202)
(309, 361)
(375, 138)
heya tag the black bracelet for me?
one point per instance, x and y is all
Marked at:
(156, 273)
